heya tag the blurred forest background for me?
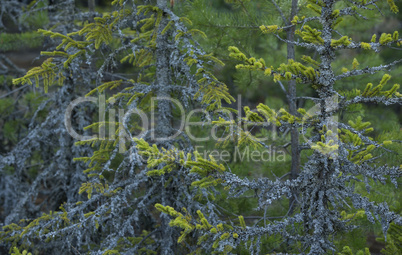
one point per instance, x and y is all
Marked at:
(226, 23)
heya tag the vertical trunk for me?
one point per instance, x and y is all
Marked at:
(294, 171)
(318, 226)
(91, 5)
(91, 8)
(163, 126)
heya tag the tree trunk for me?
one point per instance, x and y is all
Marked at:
(295, 168)
(163, 126)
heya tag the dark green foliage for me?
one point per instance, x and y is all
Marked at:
(394, 241)
(124, 194)
(21, 41)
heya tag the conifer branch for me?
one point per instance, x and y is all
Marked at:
(367, 70)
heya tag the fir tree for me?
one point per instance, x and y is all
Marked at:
(343, 154)
(35, 148)
(118, 215)
(168, 204)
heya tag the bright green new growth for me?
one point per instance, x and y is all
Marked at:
(164, 162)
(360, 149)
(174, 159)
(365, 46)
(326, 146)
(102, 170)
(310, 35)
(49, 73)
(344, 40)
(393, 6)
(188, 225)
(98, 32)
(269, 29)
(292, 70)
(17, 252)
